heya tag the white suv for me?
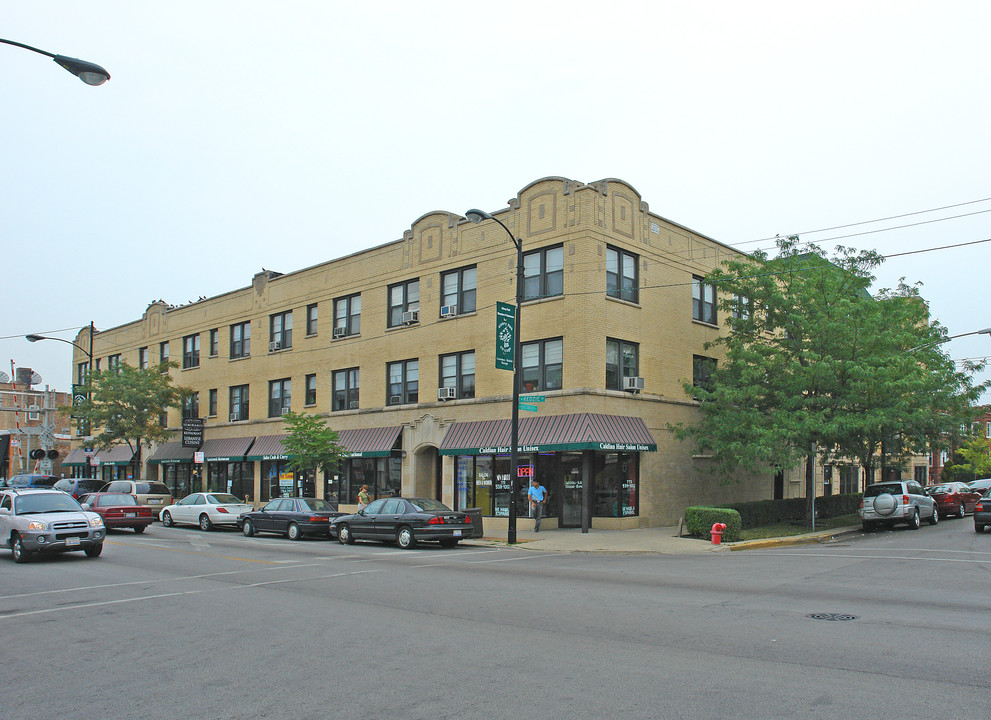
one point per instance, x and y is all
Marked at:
(47, 521)
(901, 501)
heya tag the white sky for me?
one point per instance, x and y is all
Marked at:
(237, 135)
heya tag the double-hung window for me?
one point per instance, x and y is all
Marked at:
(741, 307)
(191, 407)
(163, 355)
(311, 319)
(143, 358)
(622, 361)
(310, 395)
(280, 331)
(621, 274)
(702, 370)
(279, 397)
(191, 351)
(457, 371)
(241, 340)
(239, 403)
(457, 291)
(214, 342)
(347, 315)
(703, 301)
(404, 298)
(82, 372)
(213, 403)
(113, 362)
(403, 382)
(542, 364)
(346, 389)
(543, 273)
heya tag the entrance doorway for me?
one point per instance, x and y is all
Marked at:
(571, 489)
(427, 474)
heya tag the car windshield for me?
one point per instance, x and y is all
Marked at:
(317, 505)
(45, 503)
(116, 499)
(940, 489)
(151, 488)
(222, 499)
(882, 489)
(428, 505)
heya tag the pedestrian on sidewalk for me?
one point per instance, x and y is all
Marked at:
(537, 494)
(363, 499)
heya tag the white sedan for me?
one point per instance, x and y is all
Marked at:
(205, 509)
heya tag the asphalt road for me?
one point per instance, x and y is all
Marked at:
(177, 623)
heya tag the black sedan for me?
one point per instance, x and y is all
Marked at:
(982, 512)
(404, 521)
(292, 517)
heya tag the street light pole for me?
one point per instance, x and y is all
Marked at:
(88, 353)
(476, 216)
(89, 73)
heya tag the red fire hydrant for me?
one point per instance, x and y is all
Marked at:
(717, 533)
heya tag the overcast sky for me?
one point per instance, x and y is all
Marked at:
(237, 135)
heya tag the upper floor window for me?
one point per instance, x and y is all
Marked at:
(214, 342)
(543, 273)
(741, 307)
(542, 364)
(143, 358)
(347, 315)
(311, 319)
(457, 372)
(163, 354)
(622, 361)
(280, 335)
(239, 403)
(457, 291)
(213, 403)
(113, 362)
(191, 407)
(621, 274)
(191, 351)
(346, 389)
(310, 391)
(404, 382)
(702, 370)
(279, 397)
(98, 364)
(240, 340)
(82, 373)
(404, 298)
(703, 301)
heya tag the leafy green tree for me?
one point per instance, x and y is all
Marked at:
(124, 404)
(310, 444)
(977, 453)
(815, 365)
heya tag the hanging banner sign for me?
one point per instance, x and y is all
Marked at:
(505, 335)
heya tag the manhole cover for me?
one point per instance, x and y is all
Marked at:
(831, 616)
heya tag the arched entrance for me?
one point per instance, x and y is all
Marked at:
(426, 473)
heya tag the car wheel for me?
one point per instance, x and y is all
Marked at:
(935, 518)
(405, 538)
(915, 522)
(94, 551)
(139, 528)
(449, 542)
(18, 551)
(962, 511)
(248, 529)
(167, 519)
(294, 533)
(344, 535)
(205, 524)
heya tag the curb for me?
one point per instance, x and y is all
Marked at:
(793, 540)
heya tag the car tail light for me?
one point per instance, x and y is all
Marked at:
(317, 518)
(861, 502)
(979, 506)
(905, 500)
(222, 510)
(436, 520)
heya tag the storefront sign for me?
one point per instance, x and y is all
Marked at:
(192, 432)
(524, 471)
(198, 458)
(551, 447)
(505, 335)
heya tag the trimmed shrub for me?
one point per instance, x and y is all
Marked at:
(699, 520)
(792, 510)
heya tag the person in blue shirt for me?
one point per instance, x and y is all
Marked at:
(538, 495)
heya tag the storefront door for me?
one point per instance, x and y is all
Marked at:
(571, 490)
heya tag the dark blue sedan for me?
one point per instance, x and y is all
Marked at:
(404, 521)
(292, 517)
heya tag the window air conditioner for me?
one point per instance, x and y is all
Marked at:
(235, 416)
(285, 411)
(274, 345)
(633, 384)
(411, 316)
(339, 332)
(446, 393)
(353, 405)
(395, 399)
(448, 310)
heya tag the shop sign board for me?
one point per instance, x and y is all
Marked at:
(505, 335)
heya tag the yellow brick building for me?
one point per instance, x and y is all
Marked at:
(395, 347)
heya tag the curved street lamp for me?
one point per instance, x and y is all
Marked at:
(89, 73)
(985, 331)
(476, 216)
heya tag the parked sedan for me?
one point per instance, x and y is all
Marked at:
(119, 510)
(205, 509)
(980, 485)
(404, 521)
(954, 498)
(982, 512)
(292, 517)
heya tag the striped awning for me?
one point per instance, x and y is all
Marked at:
(268, 447)
(370, 442)
(226, 449)
(77, 457)
(117, 455)
(172, 452)
(577, 431)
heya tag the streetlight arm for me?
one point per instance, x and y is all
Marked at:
(89, 73)
(476, 216)
(985, 331)
(36, 338)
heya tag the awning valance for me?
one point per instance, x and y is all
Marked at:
(117, 455)
(577, 431)
(268, 447)
(370, 442)
(172, 452)
(226, 449)
(77, 457)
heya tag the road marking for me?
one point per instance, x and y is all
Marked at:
(879, 557)
(512, 559)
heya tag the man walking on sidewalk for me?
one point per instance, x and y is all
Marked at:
(538, 494)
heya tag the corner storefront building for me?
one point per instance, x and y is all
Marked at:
(394, 347)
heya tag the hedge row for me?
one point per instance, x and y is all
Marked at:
(772, 512)
(699, 520)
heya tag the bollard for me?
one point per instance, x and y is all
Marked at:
(717, 533)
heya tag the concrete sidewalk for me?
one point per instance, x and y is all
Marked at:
(660, 540)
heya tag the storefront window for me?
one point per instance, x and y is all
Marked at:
(179, 479)
(383, 476)
(237, 478)
(614, 485)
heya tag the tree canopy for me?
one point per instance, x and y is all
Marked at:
(310, 444)
(813, 364)
(124, 404)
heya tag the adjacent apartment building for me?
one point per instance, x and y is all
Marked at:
(395, 347)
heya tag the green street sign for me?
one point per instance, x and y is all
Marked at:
(505, 335)
(532, 398)
(531, 408)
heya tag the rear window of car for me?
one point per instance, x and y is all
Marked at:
(151, 488)
(317, 505)
(89, 486)
(218, 499)
(428, 505)
(883, 489)
(940, 489)
(117, 499)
